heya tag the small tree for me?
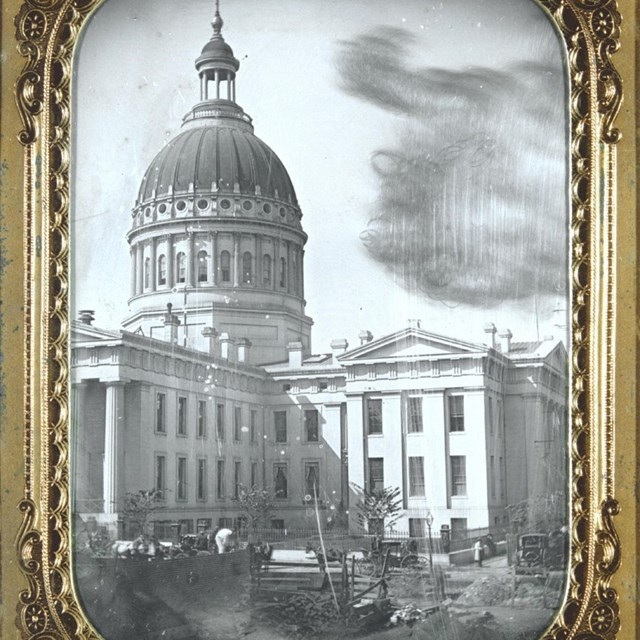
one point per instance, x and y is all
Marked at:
(256, 505)
(379, 509)
(138, 508)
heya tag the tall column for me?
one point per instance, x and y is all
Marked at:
(276, 263)
(113, 445)
(288, 269)
(132, 253)
(233, 89)
(258, 262)
(139, 268)
(154, 263)
(191, 259)
(170, 268)
(236, 259)
(214, 257)
(217, 81)
(79, 455)
(203, 87)
(301, 270)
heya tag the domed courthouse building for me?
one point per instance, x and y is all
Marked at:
(225, 392)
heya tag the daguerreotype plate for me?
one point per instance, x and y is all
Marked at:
(322, 329)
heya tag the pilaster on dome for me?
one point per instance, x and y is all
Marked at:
(216, 64)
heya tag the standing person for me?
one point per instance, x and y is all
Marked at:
(477, 552)
(226, 540)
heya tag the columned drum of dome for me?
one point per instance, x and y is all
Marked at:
(216, 228)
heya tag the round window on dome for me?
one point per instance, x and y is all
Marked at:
(225, 204)
(266, 208)
(247, 205)
(282, 212)
(202, 203)
(162, 208)
(181, 205)
(147, 212)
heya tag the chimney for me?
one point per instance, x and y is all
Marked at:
(86, 316)
(226, 347)
(505, 340)
(490, 328)
(365, 336)
(295, 354)
(171, 324)
(338, 347)
(211, 334)
(243, 347)
(415, 323)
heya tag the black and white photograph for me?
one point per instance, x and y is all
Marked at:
(320, 289)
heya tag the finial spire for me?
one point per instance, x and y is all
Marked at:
(217, 21)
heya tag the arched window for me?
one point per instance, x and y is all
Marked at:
(147, 269)
(283, 272)
(181, 267)
(266, 269)
(247, 272)
(162, 270)
(202, 266)
(225, 266)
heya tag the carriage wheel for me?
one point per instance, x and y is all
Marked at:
(413, 561)
(365, 567)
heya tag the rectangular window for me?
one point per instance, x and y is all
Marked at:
(181, 493)
(253, 425)
(501, 472)
(254, 474)
(280, 424)
(415, 415)
(161, 405)
(416, 476)
(280, 481)
(456, 413)
(374, 416)
(201, 428)
(376, 474)
(203, 524)
(182, 416)
(311, 425)
(161, 475)
(416, 527)
(237, 423)
(201, 480)
(220, 483)
(458, 476)
(237, 478)
(220, 421)
(312, 479)
(225, 523)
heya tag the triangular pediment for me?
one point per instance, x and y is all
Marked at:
(81, 332)
(410, 343)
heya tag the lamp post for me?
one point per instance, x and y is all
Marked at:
(429, 523)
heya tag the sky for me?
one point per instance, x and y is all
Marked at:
(427, 143)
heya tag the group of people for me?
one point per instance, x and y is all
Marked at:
(146, 546)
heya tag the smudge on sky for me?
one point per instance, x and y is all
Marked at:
(472, 201)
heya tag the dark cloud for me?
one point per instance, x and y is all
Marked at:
(472, 198)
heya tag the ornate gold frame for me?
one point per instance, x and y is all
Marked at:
(37, 423)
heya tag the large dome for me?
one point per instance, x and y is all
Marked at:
(228, 157)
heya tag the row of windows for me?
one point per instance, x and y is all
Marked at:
(415, 423)
(247, 270)
(311, 483)
(311, 421)
(417, 486)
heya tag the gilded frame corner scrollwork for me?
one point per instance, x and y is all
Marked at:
(47, 32)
